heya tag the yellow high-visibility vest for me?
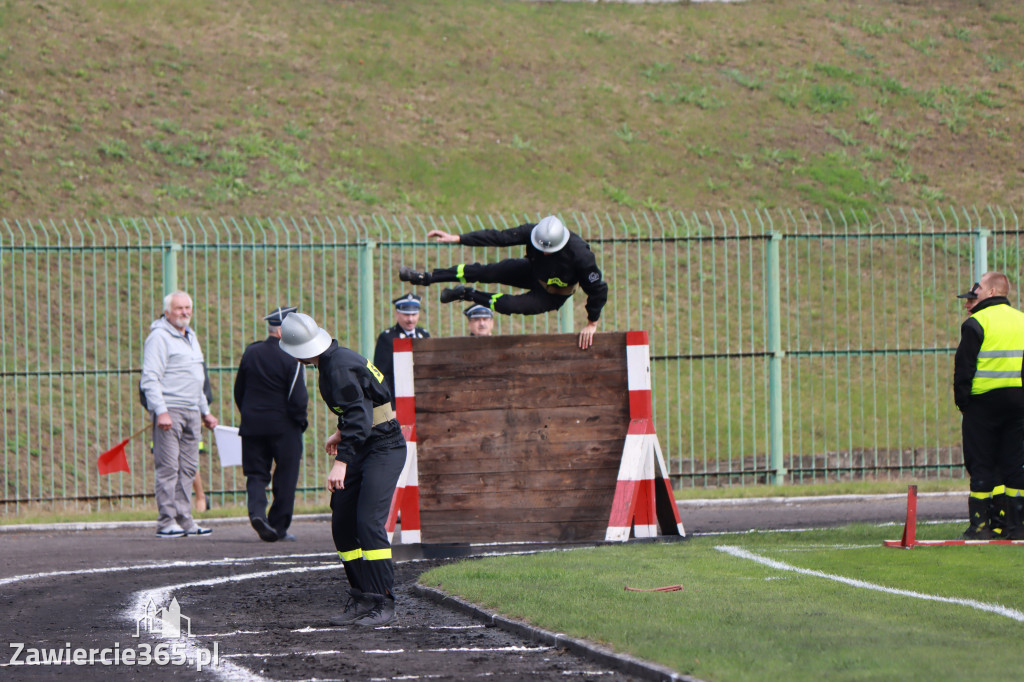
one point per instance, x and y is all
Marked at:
(1002, 349)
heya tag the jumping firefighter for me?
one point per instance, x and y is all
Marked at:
(556, 262)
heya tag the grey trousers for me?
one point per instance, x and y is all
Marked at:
(176, 458)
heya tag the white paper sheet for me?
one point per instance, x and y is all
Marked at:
(229, 445)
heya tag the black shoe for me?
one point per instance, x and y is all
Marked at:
(357, 605)
(407, 274)
(264, 529)
(382, 612)
(456, 293)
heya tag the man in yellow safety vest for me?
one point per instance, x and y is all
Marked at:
(989, 391)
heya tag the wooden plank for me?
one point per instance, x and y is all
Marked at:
(606, 343)
(526, 482)
(498, 398)
(558, 531)
(468, 428)
(513, 516)
(469, 460)
(551, 499)
(486, 379)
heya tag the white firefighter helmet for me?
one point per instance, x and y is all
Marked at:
(549, 235)
(302, 337)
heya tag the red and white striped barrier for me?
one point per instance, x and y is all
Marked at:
(642, 472)
(406, 499)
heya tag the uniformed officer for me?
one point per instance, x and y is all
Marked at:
(407, 317)
(481, 320)
(556, 263)
(270, 391)
(988, 388)
(369, 452)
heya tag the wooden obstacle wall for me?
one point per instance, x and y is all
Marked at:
(519, 438)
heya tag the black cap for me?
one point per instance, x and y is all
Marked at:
(275, 318)
(972, 294)
(408, 304)
(475, 311)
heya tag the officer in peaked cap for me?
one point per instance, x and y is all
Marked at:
(270, 391)
(481, 320)
(407, 317)
(275, 318)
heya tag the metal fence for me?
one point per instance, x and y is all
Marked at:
(786, 346)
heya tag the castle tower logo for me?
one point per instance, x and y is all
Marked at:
(165, 622)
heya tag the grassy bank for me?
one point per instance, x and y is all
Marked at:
(454, 106)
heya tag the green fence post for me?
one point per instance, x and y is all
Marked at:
(565, 318)
(365, 294)
(171, 250)
(778, 470)
(981, 253)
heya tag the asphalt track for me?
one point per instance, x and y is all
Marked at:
(67, 589)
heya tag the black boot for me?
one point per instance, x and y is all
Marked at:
(997, 515)
(357, 605)
(980, 529)
(382, 611)
(407, 274)
(1011, 516)
(456, 293)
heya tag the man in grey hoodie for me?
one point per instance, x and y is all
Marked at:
(172, 379)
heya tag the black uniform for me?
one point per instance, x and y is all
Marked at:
(270, 391)
(383, 353)
(550, 277)
(375, 454)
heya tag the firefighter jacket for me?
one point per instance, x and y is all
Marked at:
(354, 389)
(557, 272)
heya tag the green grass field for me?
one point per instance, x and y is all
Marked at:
(815, 605)
(113, 107)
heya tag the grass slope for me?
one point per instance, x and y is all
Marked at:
(117, 107)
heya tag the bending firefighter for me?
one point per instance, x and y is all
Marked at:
(369, 453)
(989, 391)
(556, 263)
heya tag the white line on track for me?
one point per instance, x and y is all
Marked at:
(997, 609)
(164, 564)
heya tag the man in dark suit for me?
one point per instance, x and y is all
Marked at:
(270, 391)
(407, 316)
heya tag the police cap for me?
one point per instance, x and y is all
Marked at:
(275, 318)
(476, 311)
(408, 304)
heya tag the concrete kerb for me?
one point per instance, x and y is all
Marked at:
(598, 654)
(682, 504)
(114, 525)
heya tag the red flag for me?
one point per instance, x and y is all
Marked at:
(114, 459)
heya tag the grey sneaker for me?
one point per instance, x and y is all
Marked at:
(382, 612)
(174, 531)
(407, 274)
(356, 605)
(198, 530)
